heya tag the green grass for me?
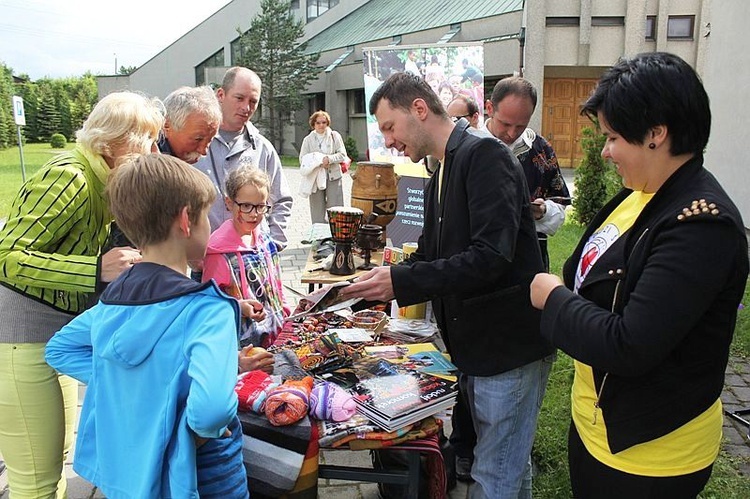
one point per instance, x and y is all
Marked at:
(34, 156)
(741, 343)
(292, 161)
(550, 447)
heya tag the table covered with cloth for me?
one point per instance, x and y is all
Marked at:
(281, 461)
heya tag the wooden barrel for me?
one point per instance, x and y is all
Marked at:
(375, 191)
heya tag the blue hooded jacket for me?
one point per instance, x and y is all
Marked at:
(159, 356)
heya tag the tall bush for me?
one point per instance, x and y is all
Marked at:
(350, 143)
(595, 179)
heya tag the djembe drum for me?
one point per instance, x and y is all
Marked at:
(344, 222)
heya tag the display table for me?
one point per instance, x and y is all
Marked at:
(313, 272)
(268, 449)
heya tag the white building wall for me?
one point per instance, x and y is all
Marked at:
(175, 65)
(553, 49)
(727, 80)
(607, 45)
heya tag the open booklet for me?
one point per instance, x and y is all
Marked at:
(326, 299)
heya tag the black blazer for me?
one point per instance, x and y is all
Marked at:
(476, 257)
(656, 313)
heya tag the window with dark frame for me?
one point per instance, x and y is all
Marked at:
(651, 28)
(316, 8)
(608, 21)
(236, 51)
(563, 21)
(680, 27)
(215, 61)
(357, 101)
(316, 102)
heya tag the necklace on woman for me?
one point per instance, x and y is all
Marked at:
(320, 139)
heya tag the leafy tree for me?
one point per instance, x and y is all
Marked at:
(270, 48)
(595, 179)
(83, 94)
(126, 70)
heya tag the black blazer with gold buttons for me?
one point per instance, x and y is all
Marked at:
(655, 315)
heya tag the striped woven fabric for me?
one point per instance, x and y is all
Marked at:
(274, 455)
(430, 448)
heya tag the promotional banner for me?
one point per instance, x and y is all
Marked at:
(450, 69)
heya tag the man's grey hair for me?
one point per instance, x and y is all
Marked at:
(188, 100)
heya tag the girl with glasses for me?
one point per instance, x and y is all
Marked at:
(244, 262)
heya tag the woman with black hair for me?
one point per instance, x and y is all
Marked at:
(650, 295)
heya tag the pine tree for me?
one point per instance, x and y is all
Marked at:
(270, 48)
(30, 93)
(7, 124)
(48, 117)
(5, 132)
(63, 104)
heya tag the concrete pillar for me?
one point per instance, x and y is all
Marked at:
(635, 27)
(584, 33)
(536, 13)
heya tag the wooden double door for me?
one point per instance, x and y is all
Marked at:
(561, 121)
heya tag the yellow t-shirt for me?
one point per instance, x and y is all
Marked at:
(687, 449)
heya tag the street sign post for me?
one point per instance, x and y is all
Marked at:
(20, 118)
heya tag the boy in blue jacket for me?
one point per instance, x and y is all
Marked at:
(159, 351)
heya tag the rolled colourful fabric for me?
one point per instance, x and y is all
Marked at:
(252, 390)
(289, 402)
(329, 401)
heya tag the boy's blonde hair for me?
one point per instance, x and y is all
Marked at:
(147, 193)
(244, 175)
(122, 120)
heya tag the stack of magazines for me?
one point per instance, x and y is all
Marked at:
(404, 397)
(397, 385)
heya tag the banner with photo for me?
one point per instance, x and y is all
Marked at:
(450, 69)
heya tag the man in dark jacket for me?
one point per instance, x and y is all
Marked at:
(510, 107)
(475, 259)
(193, 116)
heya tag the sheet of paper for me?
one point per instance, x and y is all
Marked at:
(352, 335)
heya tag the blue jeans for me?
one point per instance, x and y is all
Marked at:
(505, 408)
